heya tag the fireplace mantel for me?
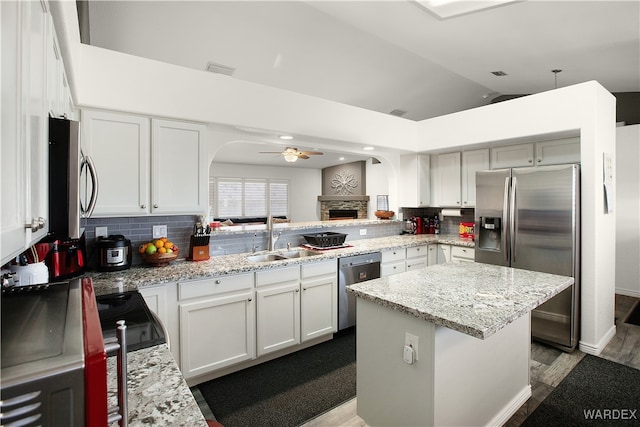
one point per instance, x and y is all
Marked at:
(343, 198)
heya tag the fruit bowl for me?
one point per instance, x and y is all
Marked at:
(158, 259)
(384, 214)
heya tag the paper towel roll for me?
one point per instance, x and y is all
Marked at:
(451, 212)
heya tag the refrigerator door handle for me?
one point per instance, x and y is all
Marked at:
(513, 218)
(505, 220)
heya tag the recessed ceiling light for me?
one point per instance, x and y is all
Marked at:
(340, 158)
(368, 148)
(285, 137)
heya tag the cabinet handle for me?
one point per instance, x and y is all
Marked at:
(530, 161)
(250, 299)
(539, 160)
(218, 282)
(417, 249)
(36, 224)
(143, 206)
(304, 289)
(297, 290)
(155, 205)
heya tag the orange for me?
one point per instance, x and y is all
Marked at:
(164, 239)
(168, 245)
(162, 250)
(159, 243)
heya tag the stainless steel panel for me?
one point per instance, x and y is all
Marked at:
(492, 197)
(353, 270)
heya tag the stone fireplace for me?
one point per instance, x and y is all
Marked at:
(343, 192)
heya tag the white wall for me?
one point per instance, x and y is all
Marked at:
(628, 210)
(305, 185)
(589, 109)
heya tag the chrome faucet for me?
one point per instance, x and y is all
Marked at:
(272, 241)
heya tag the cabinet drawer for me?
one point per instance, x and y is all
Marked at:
(214, 285)
(319, 269)
(279, 275)
(459, 252)
(417, 251)
(388, 269)
(393, 255)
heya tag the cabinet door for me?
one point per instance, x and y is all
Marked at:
(417, 257)
(37, 117)
(119, 145)
(318, 307)
(415, 176)
(432, 257)
(278, 317)
(444, 253)
(155, 297)
(459, 253)
(512, 156)
(447, 180)
(391, 268)
(179, 168)
(216, 332)
(472, 161)
(558, 151)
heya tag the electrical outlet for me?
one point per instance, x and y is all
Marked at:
(412, 341)
(101, 232)
(159, 231)
(363, 231)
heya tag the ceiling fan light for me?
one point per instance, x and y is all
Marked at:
(290, 157)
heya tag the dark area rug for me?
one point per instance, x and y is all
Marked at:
(634, 316)
(597, 392)
(289, 390)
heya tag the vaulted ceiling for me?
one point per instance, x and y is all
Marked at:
(386, 55)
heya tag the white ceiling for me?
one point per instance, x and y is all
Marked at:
(385, 55)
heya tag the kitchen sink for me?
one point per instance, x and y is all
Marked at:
(298, 253)
(265, 257)
(278, 256)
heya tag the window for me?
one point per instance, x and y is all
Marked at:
(248, 197)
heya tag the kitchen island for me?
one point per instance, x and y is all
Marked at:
(469, 329)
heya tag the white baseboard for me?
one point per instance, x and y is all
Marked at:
(512, 407)
(628, 292)
(596, 349)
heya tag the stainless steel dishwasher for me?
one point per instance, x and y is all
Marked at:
(354, 269)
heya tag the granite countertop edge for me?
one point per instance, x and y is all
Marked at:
(181, 270)
(543, 286)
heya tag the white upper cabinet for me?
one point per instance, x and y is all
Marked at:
(512, 156)
(446, 179)
(179, 168)
(472, 161)
(557, 152)
(146, 166)
(24, 157)
(415, 178)
(120, 147)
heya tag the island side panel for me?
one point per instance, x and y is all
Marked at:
(481, 382)
(389, 391)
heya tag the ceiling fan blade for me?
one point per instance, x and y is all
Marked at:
(312, 153)
(302, 156)
(270, 152)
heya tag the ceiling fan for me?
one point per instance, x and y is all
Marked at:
(292, 154)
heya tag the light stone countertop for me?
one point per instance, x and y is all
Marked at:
(473, 298)
(183, 270)
(158, 394)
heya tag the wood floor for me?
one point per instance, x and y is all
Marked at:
(549, 366)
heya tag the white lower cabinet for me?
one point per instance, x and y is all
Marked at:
(393, 262)
(444, 253)
(318, 299)
(278, 309)
(217, 323)
(156, 299)
(459, 253)
(417, 257)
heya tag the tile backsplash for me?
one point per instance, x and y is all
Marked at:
(180, 228)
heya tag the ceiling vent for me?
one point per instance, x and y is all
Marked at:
(499, 73)
(398, 113)
(220, 69)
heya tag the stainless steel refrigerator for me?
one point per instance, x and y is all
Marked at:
(529, 218)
